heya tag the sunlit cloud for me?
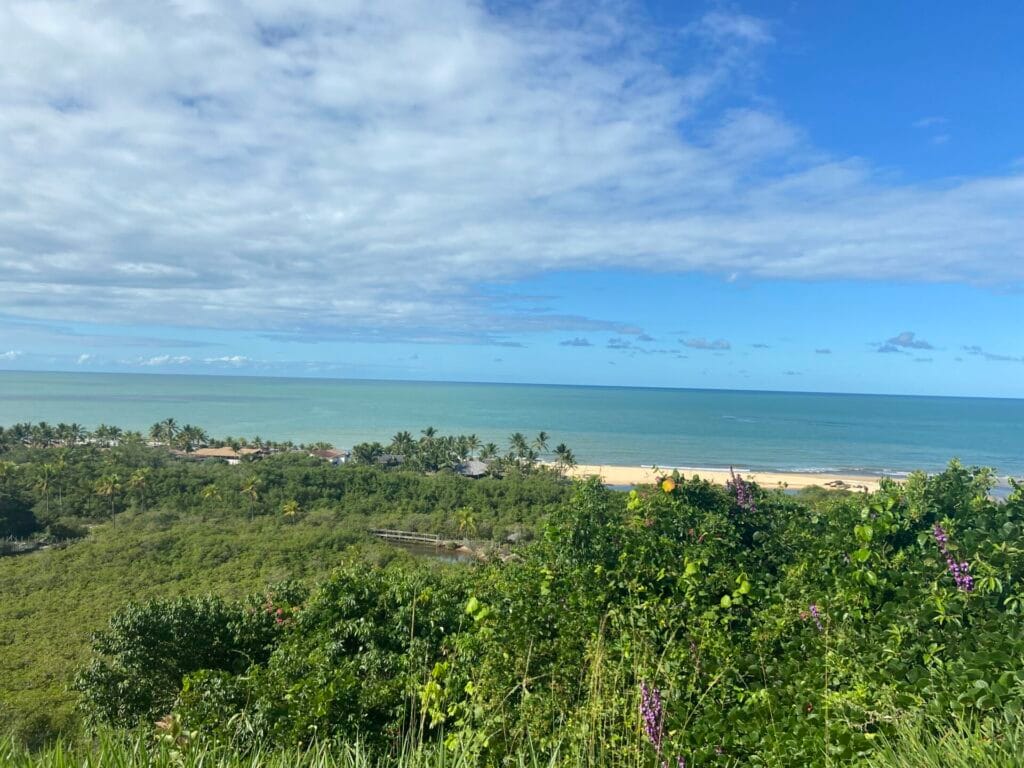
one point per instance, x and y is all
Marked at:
(371, 168)
(235, 360)
(162, 360)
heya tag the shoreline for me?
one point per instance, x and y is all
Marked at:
(613, 474)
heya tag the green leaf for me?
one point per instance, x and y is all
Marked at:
(863, 532)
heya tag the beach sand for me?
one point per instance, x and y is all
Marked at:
(619, 475)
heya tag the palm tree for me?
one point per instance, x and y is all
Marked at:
(367, 453)
(137, 482)
(531, 457)
(42, 435)
(540, 442)
(210, 493)
(44, 484)
(251, 490)
(59, 469)
(76, 433)
(564, 457)
(164, 431)
(290, 510)
(131, 437)
(7, 471)
(467, 521)
(109, 486)
(170, 429)
(488, 452)
(107, 435)
(70, 434)
(402, 444)
(473, 444)
(517, 442)
(191, 437)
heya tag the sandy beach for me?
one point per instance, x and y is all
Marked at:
(620, 475)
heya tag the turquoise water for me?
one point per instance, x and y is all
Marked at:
(612, 425)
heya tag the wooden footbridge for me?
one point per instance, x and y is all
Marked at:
(412, 537)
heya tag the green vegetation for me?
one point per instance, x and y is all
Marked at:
(54, 479)
(916, 745)
(955, 744)
(150, 525)
(682, 622)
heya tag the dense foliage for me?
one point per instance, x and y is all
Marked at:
(52, 490)
(145, 523)
(717, 626)
(246, 610)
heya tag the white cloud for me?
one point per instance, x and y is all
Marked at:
(236, 360)
(294, 165)
(10, 355)
(161, 360)
(84, 358)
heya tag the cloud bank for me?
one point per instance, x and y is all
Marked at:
(366, 168)
(909, 340)
(719, 345)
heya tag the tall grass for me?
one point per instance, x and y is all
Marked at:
(953, 744)
(111, 750)
(117, 750)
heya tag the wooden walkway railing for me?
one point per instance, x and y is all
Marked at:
(411, 536)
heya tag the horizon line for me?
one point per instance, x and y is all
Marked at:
(239, 375)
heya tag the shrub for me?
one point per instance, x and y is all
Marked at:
(147, 650)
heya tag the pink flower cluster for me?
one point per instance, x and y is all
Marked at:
(278, 613)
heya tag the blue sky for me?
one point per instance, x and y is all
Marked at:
(806, 196)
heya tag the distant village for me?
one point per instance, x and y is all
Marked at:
(465, 455)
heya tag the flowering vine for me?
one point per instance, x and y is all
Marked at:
(741, 488)
(960, 571)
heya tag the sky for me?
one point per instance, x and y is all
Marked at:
(757, 195)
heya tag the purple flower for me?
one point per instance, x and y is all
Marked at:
(741, 489)
(816, 616)
(652, 714)
(960, 571)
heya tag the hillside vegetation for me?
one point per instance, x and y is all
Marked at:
(679, 624)
(133, 522)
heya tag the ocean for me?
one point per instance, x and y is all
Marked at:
(791, 431)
